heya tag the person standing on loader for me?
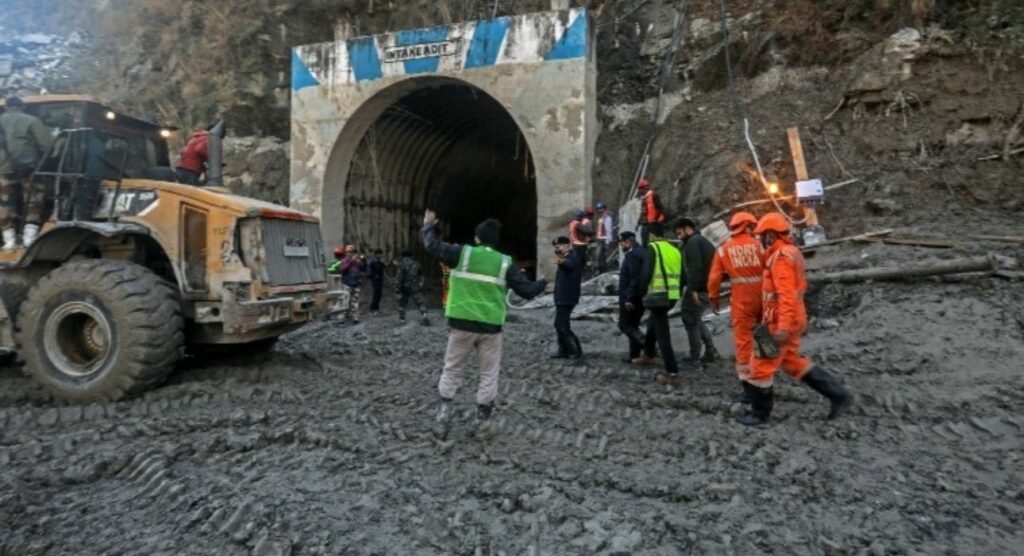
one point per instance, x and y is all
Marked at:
(784, 319)
(24, 140)
(476, 310)
(568, 283)
(410, 282)
(192, 159)
(660, 276)
(631, 305)
(698, 254)
(741, 261)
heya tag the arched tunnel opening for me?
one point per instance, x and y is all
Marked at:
(452, 148)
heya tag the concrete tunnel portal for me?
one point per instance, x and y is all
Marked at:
(441, 144)
(480, 119)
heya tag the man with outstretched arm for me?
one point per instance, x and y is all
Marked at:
(476, 310)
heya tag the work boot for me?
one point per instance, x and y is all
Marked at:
(563, 347)
(443, 421)
(643, 361)
(824, 383)
(761, 402)
(711, 356)
(424, 319)
(484, 425)
(29, 234)
(668, 379)
(10, 239)
(575, 349)
(401, 315)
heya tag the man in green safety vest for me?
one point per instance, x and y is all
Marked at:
(480, 278)
(661, 270)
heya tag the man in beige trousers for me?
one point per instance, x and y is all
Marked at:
(476, 310)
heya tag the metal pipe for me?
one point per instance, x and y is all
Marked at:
(215, 155)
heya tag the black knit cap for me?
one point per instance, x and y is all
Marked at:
(489, 232)
(560, 240)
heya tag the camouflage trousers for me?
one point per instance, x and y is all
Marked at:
(352, 313)
(17, 192)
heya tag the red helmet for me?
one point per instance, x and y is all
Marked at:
(644, 183)
(339, 251)
(772, 222)
(742, 220)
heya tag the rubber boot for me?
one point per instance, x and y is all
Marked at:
(484, 423)
(824, 383)
(742, 396)
(575, 349)
(10, 239)
(761, 402)
(563, 347)
(443, 421)
(29, 234)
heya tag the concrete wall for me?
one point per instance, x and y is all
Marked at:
(540, 67)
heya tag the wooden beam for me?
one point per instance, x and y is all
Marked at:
(796, 148)
(937, 244)
(845, 239)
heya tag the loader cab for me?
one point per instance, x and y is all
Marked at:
(148, 155)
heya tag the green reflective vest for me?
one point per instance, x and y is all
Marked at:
(476, 287)
(666, 254)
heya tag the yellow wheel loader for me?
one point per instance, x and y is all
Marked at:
(131, 269)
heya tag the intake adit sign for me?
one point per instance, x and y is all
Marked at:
(420, 51)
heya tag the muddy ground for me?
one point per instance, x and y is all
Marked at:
(323, 447)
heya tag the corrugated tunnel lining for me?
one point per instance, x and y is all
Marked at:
(417, 154)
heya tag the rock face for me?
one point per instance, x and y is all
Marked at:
(257, 167)
(29, 60)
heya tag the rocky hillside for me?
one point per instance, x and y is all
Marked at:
(912, 97)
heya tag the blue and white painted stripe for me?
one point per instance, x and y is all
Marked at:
(523, 39)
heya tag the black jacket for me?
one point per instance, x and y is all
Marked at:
(629, 274)
(698, 253)
(376, 270)
(568, 280)
(515, 279)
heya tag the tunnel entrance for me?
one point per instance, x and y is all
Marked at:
(450, 147)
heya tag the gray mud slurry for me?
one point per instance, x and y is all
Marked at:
(325, 447)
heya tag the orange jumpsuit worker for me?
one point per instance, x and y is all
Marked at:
(651, 209)
(783, 286)
(741, 261)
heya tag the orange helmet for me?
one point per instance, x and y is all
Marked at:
(644, 183)
(772, 222)
(742, 220)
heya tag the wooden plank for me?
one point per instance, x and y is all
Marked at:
(845, 239)
(1007, 239)
(796, 148)
(937, 244)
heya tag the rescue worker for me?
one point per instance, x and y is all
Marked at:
(24, 140)
(335, 266)
(476, 310)
(783, 312)
(631, 305)
(580, 231)
(698, 254)
(605, 230)
(660, 276)
(651, 209)
(352, 268)
(741, 261)
(568, 281)
(410, 282)
(376, 267)
(192, 159)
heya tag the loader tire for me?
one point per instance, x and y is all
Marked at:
(100, 330)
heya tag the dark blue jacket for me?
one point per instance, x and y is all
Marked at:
(568, 279)
(629, 275)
